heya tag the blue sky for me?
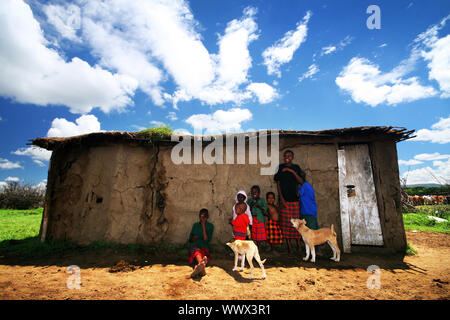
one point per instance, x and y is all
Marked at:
(75, 67)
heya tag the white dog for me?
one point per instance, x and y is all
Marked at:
(247, 249)
(314, 238)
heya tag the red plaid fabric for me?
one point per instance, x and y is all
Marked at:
(258, 230)
(194, 251)
(274, 232)
(291, 211)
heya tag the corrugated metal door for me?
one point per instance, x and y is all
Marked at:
(359, 211)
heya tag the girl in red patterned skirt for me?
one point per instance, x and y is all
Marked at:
(258, 207)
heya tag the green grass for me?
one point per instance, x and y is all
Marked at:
(19, 224)
(420, 221)
(156, 134)
(410, 251)
(19, 230)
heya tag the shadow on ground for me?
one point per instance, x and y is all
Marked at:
(141, 256)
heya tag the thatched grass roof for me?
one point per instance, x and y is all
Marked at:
(368, 133)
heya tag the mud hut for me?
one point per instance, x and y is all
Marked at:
(126, 188)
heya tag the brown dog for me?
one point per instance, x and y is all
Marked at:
(314, 238)
(248, 249)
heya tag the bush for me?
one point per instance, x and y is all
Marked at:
(21, 196)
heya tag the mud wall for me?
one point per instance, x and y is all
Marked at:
(106, 193)
(387, 185)
(135, 194)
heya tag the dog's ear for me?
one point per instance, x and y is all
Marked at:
(304, 221)
(229, 244)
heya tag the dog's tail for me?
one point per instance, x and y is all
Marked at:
(332, 230)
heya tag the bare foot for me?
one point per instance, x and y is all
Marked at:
(197, 270)
(202, 267)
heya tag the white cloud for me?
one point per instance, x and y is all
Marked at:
(230, 68)
(138, 128)
(234, 58)
(6, 164)
(439, 174)
(83, 125)
(157, 123)
(12, 179)
(36, 153)
(419, 158)
(264, 92)
(439, 64)
(34, 73)
(431, 156)
(39, 163)
(439, 132)
(165, 32)
(436, 51)
(123, 46)
(220, 121)
(334, 48)
(162, 42)
(312, 70)
(41, 185)
(365, 82)
(328, 50)
(382, 45)
(411, 162)
(181, 131)
(283, 50)
(66, 20)
(172, 116)
(3, 184)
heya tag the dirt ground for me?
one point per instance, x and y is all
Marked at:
(103, 276)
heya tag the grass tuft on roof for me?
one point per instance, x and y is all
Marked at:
(156, 134)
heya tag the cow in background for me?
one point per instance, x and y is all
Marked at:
(429, 200)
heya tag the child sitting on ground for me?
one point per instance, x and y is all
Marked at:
(199, 240)
(274, 234)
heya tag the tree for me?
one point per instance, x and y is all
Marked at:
(21, 196)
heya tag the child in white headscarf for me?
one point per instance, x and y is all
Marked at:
(241, 201)
(241, 197)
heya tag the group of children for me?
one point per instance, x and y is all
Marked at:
(256, 219)
(260, 220)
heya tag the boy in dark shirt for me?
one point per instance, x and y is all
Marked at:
(288, 180)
